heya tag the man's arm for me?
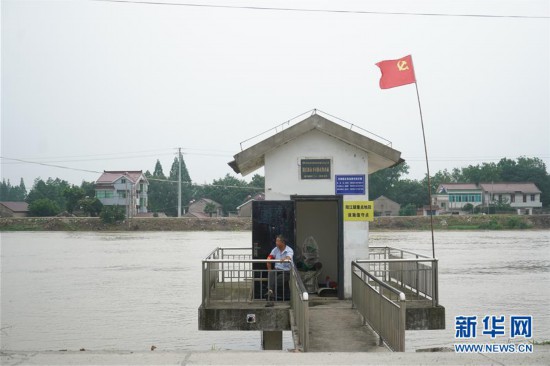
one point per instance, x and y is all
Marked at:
(288, 257)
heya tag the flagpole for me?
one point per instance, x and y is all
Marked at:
(428, 170)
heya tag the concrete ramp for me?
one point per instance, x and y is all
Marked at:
(335, 327)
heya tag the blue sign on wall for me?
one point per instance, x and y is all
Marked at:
(350, 184)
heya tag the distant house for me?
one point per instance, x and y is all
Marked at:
(425, 210)
(452, 197)
(524, 197)
(197, 208)
(245, 210)
(383, 206)
(14, 209)
(123, 188)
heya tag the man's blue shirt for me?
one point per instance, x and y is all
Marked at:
(277, 254)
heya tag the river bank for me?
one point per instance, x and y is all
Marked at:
(540, 356)
(474, 222)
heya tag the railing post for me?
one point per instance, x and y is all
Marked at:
(417, 277)
(402, 324)
(306, 327)
(435, 284)
(380, 326)
(206, 282)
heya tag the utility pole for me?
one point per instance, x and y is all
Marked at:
(179, 182)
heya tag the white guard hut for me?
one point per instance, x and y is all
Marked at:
(320, 169)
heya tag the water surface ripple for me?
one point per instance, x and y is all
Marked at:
(128, 291)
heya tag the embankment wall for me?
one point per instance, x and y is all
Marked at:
(477, 222)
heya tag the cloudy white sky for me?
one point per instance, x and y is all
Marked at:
(96, 85)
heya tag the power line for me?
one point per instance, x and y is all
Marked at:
(324, 10)
(52, 165)
(468, 159)
(104, 154)
(154, 179)
(100, 158)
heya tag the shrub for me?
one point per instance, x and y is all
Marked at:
(491, 225)
(112, 214)
(516, 223)
(468, 208)
(91, 206)
(408, 210)
(43, 207)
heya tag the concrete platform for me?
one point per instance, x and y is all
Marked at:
(334, 326)
(540, 356)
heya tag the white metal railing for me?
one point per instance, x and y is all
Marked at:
(299, 303)
(286, 124)
(229, 275)
(231, 267)
(382, 307)
(405, 270)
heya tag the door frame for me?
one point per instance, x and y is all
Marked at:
(339, 199)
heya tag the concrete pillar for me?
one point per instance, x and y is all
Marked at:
(272, 340)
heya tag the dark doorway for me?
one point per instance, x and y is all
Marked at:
(320, 218)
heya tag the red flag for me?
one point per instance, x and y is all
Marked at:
(396, 72)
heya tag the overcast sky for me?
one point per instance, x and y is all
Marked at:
(97, 85)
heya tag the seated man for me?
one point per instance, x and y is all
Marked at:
(283, 253)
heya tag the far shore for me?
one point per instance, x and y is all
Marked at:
(386, 223)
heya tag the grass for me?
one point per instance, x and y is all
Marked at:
(463, 227)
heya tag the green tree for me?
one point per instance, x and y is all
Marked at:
(186, 185)
(72, 197)
(112, 214)
(88, 188)
(408, 210)
(257, 181)
(12, 193)
(382, 182)
(442, 176)
(5, 187)
(157, 172)
(160, 194)
(91, 206)
(210, 208)
(228, 191)
(409, 191)
(43, 207)
(486, 172)
(52, 189)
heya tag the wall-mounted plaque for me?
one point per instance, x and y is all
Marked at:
(315, 168)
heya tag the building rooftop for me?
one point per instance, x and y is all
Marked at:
(524, 187)
(109, 177)
(380, 156)
(16, 206)
(456, 186)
